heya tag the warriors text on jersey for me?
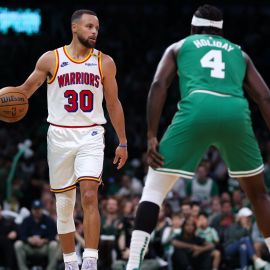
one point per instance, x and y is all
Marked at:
(75, 92)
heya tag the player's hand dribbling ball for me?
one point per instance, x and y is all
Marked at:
(13, 106)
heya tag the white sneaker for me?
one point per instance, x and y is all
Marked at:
(71, 266)
(89, 263)
(259, 263)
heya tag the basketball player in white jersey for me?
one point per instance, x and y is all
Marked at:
(77, 77)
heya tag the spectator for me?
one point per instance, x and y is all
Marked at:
(195, 210)
(224, 219)
(260, 247)
(202, 188)
(238, 241)
(214, 209)
(186, 209)
(8, 235)
(110, 227)
(37, 238)
(129, 186)
(211, 236)
(170, 232)
(190, 250)
(156, 237)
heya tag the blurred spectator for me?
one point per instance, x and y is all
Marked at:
(202, 188)
(37, 239)
(8, 235)
(126, 227)
(170, 232)
(223, 220)
(195, 210)
(79, 239)
(186, 209)
(156, 237)
(260, 247)
(191, 251)
(211, 236)
(237, 200)
(129, 186)
(238, 241)
(215, 209)
(109, 233)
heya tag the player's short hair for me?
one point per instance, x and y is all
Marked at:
(211, 13)
(78, 14)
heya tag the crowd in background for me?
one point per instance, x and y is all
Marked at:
(135, 36)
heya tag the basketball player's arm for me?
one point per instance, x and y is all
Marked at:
(163, 78)
(37, 77)
(257, 89)
(114, 108)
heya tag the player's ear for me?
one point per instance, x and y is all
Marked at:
(74, 27)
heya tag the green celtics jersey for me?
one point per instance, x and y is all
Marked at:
(210, 62)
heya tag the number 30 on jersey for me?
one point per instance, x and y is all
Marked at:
(83, 100)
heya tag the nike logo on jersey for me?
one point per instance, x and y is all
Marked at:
(94, 133)
(64, 64)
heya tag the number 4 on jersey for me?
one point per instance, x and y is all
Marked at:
(213, 60)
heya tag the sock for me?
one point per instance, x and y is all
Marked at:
(267, 242)
(70, 257)
(90, 252)
(138, 247)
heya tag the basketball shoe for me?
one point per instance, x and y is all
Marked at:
(71, 266)
(89, 263)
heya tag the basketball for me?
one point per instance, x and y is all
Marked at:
(13, 106)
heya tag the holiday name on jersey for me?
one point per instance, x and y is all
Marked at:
(213, 43)
(78, 78)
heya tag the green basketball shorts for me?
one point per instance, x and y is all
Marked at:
(204, 120)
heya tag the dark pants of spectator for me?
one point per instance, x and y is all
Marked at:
(184, 260)
(7, 254)
(244, 248)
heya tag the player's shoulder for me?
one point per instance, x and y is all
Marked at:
(107, 62)
(106, 59)
(48, 56)
(175, 47)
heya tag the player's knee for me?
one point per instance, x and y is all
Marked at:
(89, 199)
(64, 209)
(154, 196)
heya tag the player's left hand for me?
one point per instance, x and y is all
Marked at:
(121, 155)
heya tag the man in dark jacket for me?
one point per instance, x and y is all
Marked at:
(8, 234)
(37, 238)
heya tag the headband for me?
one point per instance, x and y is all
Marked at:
(196, 21)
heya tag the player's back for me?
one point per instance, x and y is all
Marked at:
(75, 92)
(210, 63)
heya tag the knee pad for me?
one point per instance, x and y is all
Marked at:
(154, 196)
(157, 186)
(65, 203)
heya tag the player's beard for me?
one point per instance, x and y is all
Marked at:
(86, 42)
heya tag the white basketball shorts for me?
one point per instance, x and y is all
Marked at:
(74, 155)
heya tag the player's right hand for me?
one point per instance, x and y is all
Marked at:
(154, 158)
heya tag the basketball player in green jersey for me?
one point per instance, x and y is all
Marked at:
(213, 111)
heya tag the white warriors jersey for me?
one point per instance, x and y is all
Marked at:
(75, 92)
